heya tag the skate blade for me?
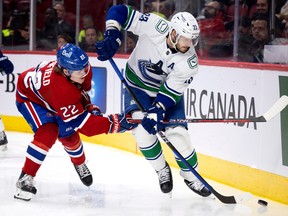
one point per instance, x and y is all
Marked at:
(23, 195)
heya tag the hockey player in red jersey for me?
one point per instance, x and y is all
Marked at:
(52, 98)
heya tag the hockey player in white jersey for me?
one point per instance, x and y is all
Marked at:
(158, 71)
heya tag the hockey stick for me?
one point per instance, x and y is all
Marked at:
(280, 104)
(222, 198)
(277, 107)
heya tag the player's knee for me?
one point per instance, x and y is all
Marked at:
(46, 134)
(178, 131)
(142, 137)
(73, 141)
(180, 138)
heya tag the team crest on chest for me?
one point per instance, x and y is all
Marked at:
(146, 67)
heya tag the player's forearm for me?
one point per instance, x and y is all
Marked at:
(95, 125)
(117, 16)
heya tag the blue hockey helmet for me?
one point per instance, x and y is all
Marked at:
(72, 58)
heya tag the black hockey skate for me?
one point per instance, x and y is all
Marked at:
(198, 187)
(25, 188)
(3, 141)
(84, 174)
(165, 179)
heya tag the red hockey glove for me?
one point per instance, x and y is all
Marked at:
(95, 110)
(120, 123)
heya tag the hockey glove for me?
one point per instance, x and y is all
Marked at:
(5, 64)
(93, 109)
(120, 124)
(158, 109)
(149, 125)
(108, 47)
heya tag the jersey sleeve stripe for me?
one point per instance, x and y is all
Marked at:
(131, 15)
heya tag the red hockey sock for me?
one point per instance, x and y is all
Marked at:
(37, 150)
(74, 147)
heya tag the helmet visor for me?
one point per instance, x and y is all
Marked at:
(183, 41)
(187, 42)
(80, 73)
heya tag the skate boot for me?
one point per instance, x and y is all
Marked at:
(165, 179)
(198, 187)
(3, 141)
(84, 174)
(25, 188)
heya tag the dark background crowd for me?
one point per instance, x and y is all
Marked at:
(258, 23)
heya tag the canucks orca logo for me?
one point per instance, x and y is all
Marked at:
(153, 68)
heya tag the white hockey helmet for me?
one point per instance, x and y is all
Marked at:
(185, 25)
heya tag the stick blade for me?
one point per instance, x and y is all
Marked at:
(276, 108)
(243, 197)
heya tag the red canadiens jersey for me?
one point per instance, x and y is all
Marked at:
(43, 86)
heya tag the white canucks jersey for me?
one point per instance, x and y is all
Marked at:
(152, 66)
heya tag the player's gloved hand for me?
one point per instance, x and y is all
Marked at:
(149, 125)
(120, 123)
(95, 110)
(158, 109)
(5, 64)
(107, 48)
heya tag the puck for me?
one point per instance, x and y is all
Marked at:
(262, 202)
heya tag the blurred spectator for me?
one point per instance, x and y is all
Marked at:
(17, 29)
(130, 44)
(87, 21)
(261, 37)
(188, 5)
(155, 7)
(214, 41)
(163, 8)
(88, 44)
(47, 37)
(283, 15)
(282, 40)
(167, 8)
(230, 10)
(245, 39)
(133, 3)
(263, 7)
(63, 26)
(147, 6)
(62, 40)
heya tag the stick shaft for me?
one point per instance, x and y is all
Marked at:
(115, 67)
(276, 108)
(244, 120)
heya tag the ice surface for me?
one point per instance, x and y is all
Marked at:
(124, 185)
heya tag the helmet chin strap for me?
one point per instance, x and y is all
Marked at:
(173, 43)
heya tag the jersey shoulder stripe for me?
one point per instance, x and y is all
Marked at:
(130, 18)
